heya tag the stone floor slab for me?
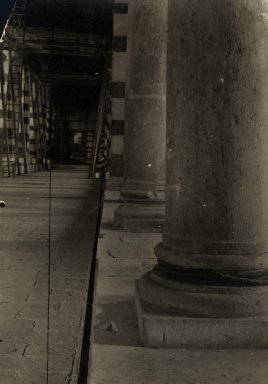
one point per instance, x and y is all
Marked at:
(137, 365)
(118, 356)
(24, 273)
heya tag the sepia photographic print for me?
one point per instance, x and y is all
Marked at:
(133, 192)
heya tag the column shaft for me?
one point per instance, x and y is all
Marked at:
(144, 155)
(212, 265)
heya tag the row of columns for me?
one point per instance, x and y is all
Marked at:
(209, 287)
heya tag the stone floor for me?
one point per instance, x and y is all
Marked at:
(118, 356)
(24, 234)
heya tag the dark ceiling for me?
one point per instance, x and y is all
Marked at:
(66, 43)
(91, 16)
(5, 11)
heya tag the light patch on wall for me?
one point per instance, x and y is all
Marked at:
(78, 138)
(118, 109)
(117, 147)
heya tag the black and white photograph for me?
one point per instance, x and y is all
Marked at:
(133, 191)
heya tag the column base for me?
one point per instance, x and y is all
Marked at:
(174, 313)
(140, 217)
(177, 331)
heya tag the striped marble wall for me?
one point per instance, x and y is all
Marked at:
(119, 66)
(24, 141)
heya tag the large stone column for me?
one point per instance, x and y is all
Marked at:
(144, 154)
(209, 287)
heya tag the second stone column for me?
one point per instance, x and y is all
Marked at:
(144, 159)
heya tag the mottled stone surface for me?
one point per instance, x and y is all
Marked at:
(212, 264)
(145, 119)
(217, 171)
(118, 357)
(24, 271)
(115, 364)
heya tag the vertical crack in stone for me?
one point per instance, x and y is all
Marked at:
(33, 325)
(25, 349)
(70, 374)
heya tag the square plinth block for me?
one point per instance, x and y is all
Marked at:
(174, 331)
